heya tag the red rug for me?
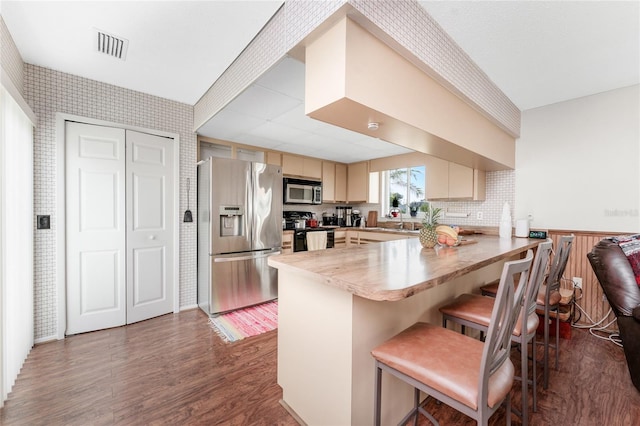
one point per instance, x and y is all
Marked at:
(247, 322)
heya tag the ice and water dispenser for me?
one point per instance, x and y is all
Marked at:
(231, 221)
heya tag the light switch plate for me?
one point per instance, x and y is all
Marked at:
(44, 221)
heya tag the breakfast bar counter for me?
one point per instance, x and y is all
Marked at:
(335, 305)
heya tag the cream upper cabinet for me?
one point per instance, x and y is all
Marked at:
(292, 165)
(460, 181)
(437, 172)
(479, 185)
(334, 182)
(312, 168)
(274, 158)
(341, 183)
(328, 181)
(358, 182)
(301, 166)
(447, 180)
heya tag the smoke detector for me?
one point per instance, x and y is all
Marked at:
(110, 44)
(373, 126)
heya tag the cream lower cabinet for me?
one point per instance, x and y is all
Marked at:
(287, 242)
(352, 238)
(340, 239)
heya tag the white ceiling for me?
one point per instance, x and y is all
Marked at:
(177, 49)
(543, 52)
(537, 52)
(270, 114)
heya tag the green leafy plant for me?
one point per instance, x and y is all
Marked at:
(414, 207)
(428, 234)
(431, 215)
(395, 199)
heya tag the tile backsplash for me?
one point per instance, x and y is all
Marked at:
(500, 189)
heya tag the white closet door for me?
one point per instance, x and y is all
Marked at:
(150, 222)
(95, 216)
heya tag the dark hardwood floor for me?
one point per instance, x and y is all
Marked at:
(175, 370)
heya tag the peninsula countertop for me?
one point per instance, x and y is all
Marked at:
(395, 270)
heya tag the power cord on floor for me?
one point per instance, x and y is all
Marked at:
(594, 328)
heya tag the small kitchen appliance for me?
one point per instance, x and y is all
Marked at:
(341, 218)
(329, 219)
(300, 191)
(356, 218)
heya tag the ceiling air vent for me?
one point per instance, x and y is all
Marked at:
(110, 45)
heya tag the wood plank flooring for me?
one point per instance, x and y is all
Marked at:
(175, 370)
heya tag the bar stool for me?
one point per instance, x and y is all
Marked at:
(548, 299)
(472, 310)
(470, 376)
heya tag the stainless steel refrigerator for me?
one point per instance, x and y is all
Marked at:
(239, 227)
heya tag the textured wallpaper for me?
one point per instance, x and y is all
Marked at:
(10, 57)
(49, 92)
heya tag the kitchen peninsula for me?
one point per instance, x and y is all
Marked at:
(336, 305)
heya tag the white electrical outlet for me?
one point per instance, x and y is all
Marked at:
(577, 282)
(479, 216)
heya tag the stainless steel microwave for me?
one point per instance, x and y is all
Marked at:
(300, 191)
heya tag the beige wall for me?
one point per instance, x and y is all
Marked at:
(577, 163)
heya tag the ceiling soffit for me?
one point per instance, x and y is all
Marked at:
(298, 22)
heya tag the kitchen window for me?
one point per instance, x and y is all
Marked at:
(406, 185)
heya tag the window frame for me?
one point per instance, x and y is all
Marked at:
(385, 190)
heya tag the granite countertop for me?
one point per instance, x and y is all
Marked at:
(395, 270)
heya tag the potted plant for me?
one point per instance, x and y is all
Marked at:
(413, 208)
(428, 235)
(395, 200)
(395, 203)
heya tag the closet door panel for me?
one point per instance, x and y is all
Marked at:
(95, 215)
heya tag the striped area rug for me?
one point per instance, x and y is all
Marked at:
(247, 322)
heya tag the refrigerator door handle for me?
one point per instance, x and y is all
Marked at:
(247, 257)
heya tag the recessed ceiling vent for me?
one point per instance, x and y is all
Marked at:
(110, 45)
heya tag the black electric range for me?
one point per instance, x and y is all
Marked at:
(300, 235)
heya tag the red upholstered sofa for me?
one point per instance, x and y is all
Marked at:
(615, 274)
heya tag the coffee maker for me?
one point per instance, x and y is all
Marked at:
(341, 219)
(356, 218)
(348, 219)
(329, 219)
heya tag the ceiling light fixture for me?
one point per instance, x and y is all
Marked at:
(373, 126)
